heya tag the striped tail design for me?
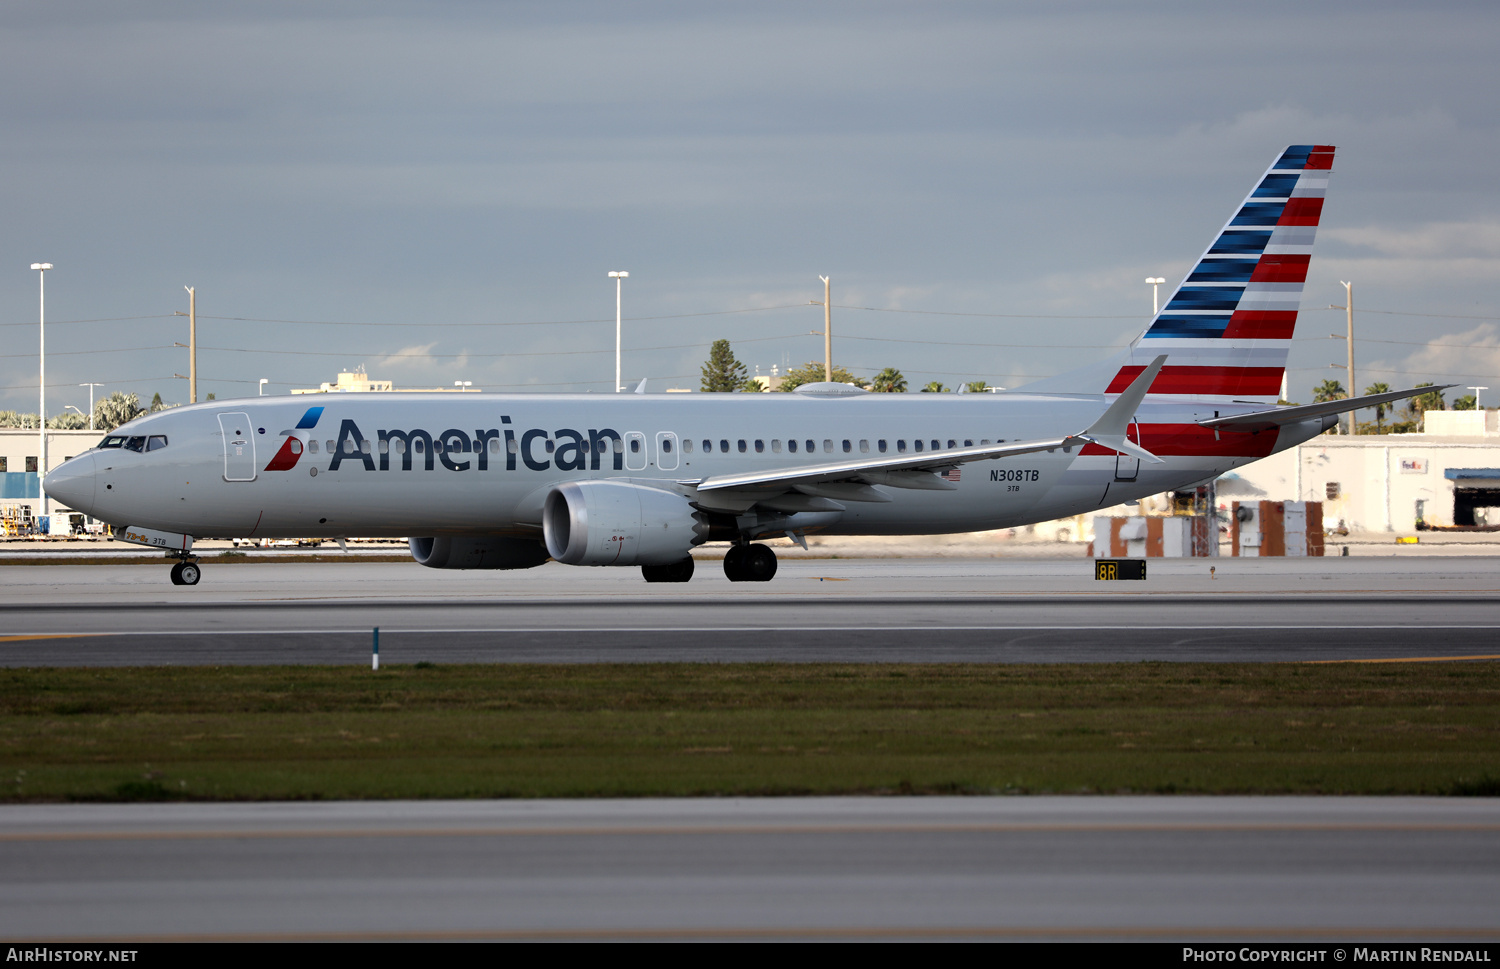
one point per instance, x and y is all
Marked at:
(1227, 329)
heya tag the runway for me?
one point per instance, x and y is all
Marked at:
(1241, 869)
(904, 610)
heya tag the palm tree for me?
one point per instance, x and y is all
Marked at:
(1328, 390)
(813, 373)
(1417, 407)
(936, 387)
(1380, 409)
(977, 386)
(116, 409)
(889, 381)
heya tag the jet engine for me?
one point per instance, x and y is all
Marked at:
(617, 523)
(477, 552)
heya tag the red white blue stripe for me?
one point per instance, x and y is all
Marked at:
(1227, 329)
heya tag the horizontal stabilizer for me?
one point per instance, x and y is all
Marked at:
(1261, 420)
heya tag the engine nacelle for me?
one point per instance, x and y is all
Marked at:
(616, 523)
(477, 552)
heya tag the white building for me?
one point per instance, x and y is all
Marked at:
(1449, 475)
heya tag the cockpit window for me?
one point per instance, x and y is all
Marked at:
(135, 444)
(156, 442)
(114, 440)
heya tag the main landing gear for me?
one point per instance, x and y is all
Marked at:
(676, 572)
(186, 572)
(750, 563)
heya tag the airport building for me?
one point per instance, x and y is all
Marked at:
(358, 382)
(1447, 476)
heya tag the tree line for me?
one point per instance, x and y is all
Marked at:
(723, 373)
(109, 413)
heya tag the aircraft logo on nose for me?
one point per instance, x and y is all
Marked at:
(291, 448)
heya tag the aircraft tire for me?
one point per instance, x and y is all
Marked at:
(177, 574)
(734, 563)
(189, 573)
(676, 572)
(758, 564)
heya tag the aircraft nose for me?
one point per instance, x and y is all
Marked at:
(72, 483)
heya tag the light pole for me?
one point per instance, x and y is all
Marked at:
(1476, 396)
(91, 402)
(263, 382)
(79, 413)
(463, 385)
(1154, 282)
(617, 276)
(41, 414)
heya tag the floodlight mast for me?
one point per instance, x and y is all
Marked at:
(41, 414)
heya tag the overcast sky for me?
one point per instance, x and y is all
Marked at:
(423, 165)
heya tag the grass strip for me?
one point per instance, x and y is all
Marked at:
(426, 731)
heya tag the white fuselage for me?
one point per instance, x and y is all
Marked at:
(479, 464)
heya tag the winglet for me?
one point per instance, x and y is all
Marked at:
(640, 388)
(1112, 428)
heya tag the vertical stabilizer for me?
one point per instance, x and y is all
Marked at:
(1229, 326)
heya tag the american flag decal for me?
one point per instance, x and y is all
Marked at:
(951, 474)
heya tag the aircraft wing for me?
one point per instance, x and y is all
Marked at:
(1262, 420)
(915, 470)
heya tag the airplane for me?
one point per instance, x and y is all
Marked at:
(509, 481)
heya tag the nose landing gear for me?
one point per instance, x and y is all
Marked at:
(750, 563)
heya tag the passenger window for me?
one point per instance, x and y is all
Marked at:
(666, 445)
(494, 445)
(775, 445)
(385, 445)
(418, 446)
(635, 445)
(811, 447)
(918, 444)
(985, 441)
(952, 444)
(135, 444)
(900, 446)
(742, 445)
(827, 446)
(935, 446)
(511, 445)
(881, 444)
(792, 445)
(723, 446)
(312, 447)
(864, 447)
(847, 446)
(156, 442)
(364, 446)
(968, 442)
(331, 447)
(551, 446)
(760, 446)
(687, 445)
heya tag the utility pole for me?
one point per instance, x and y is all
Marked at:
(1348, 309)
(192, 345)
(827, 305)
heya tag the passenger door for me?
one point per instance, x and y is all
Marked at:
(239, 447)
